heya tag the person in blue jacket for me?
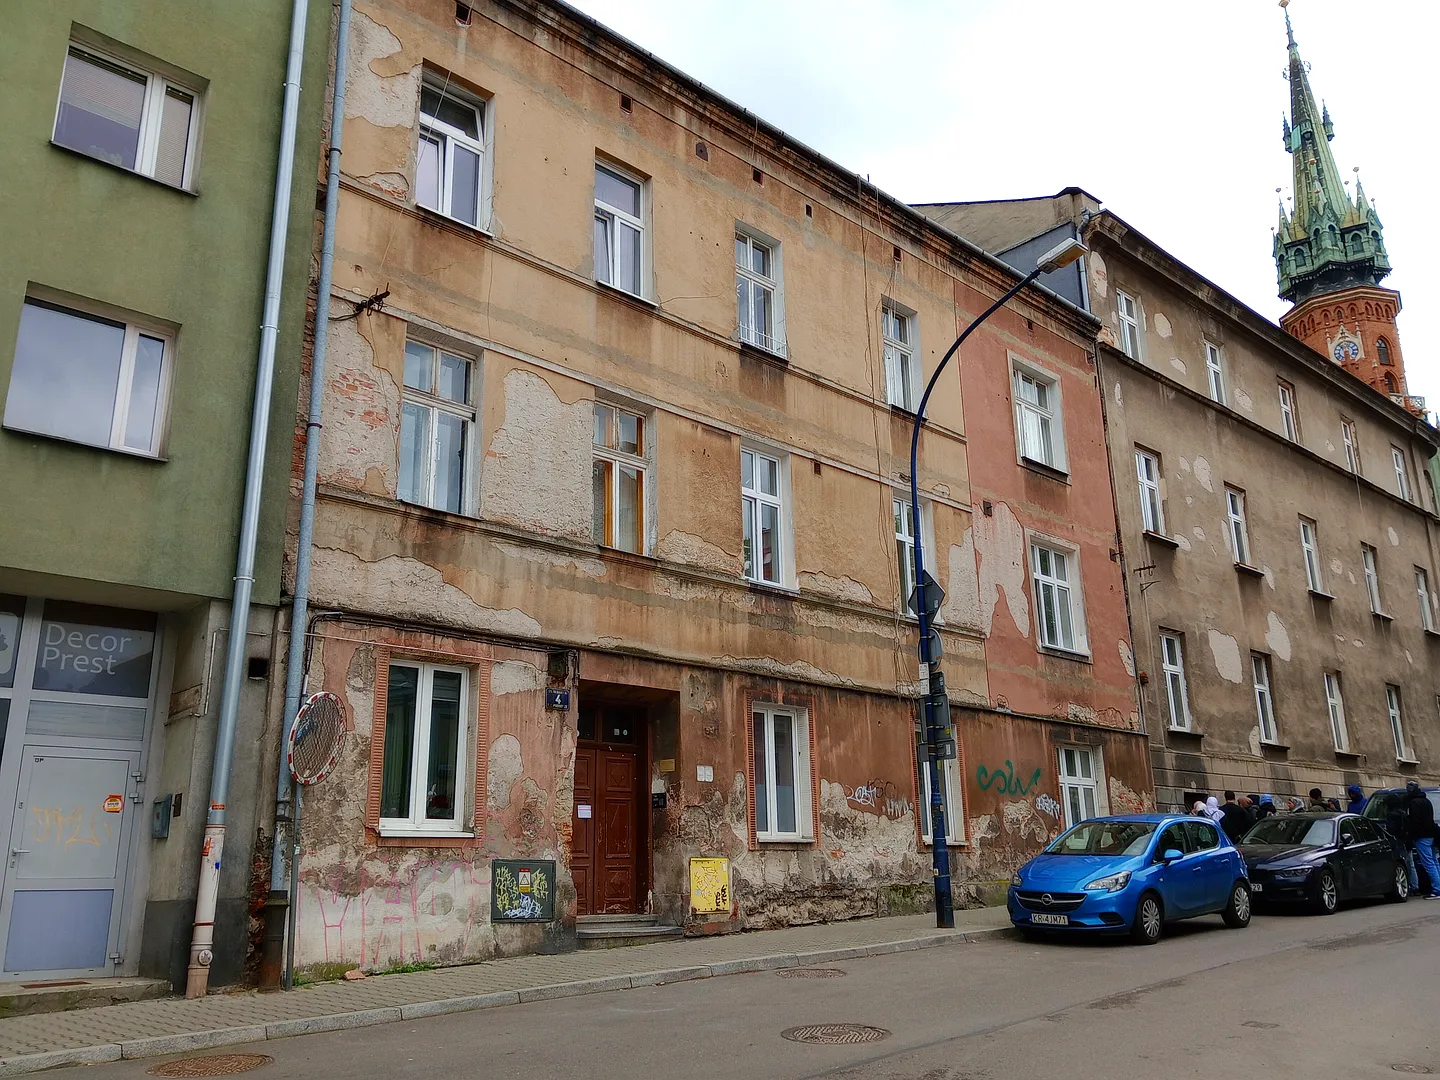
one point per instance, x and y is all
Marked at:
(1356, 805)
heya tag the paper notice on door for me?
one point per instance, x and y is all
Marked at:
(114, 803)
(583, 810)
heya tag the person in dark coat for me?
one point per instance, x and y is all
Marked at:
(1233, 820)
(1265, 808)
(1420, 823)
(1356, 805)
(1397, 824)
(1317, 802)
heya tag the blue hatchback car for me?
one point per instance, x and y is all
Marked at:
(1131, 874)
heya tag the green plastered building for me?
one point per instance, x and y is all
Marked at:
(142, 140)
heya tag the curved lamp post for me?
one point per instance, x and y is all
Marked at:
(936, 741)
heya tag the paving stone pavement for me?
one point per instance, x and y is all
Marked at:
(172, 1025)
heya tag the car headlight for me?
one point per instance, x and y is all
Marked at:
(1294, 873)
(1113, 883)
(1015, 879)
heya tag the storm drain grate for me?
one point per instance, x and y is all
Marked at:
(212, 1065)
(835, 1033)
(810, 973)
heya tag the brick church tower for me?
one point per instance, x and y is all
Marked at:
(1330, 253)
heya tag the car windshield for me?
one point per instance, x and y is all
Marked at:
(1105, 838)
(1382, 802)
(1292, 831)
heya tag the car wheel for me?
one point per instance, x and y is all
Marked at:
(1237, 911)
(1325, 893)
(1149, 920)
(1400, 887)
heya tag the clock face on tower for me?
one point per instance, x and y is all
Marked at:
(1345, 350)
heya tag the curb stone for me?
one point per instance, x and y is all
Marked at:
(20, 1064)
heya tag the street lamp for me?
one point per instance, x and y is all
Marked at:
(938, 737)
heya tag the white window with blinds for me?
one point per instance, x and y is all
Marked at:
(115, 111)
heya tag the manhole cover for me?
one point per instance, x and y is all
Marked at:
(810, 973)
(212, 1065)
(1421, 1069)
(834, 1033)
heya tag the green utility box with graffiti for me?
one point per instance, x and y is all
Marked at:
(522, 890)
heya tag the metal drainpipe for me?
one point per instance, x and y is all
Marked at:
(202, 941)
(287, 797)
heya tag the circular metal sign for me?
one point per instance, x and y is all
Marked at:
(315, 738)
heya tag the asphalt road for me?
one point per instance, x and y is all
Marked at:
(1346, 996)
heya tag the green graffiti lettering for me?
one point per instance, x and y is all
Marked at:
(1004, 781)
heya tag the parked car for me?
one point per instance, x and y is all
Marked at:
(1323, 859)
(1131, 874)
(1378, 807)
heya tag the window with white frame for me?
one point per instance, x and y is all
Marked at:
(1059, 613)
(450, 158)
(619, 475)
(1177, 694)
(619, 229)
(1079, 784)
(1289, 422)
(423, 784)
(1422, 594)
(116, 112)
(757, 292)
(1402, 474)
(762, 503)
(781, 743)
(1215, 373)
(1129, 312)
(1335, 702)
(1310, 548)
(949, 798)
(1369, 557)
(1039, 429)
(902, 364)
(1397, 723)
(1264, 701)
(1147, 473)
(1352, 445)
(90, 379)
(1235, 516)
(905, 533)
(436, 429)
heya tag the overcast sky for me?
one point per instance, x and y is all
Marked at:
(1168, 112)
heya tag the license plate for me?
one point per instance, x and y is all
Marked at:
(1050, 920)
(1257, 886)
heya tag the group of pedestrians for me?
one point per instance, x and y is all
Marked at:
(1411, 820)
(1235, 816)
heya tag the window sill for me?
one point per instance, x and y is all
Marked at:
(900, 410)
(1354, 755)
(1189, 733)
(388, 833)
(1067, 654)
(121, 450)
(792, 841)
(1277, 747)
(1319, 595)
(759, 352)
(613, 290)
(122, 169)
(483, 230)
(1048, 471)
(772, 587)
(1252, 571)
(1383, 616)
(436, 510)
(1432, 633)
(1408, 762)
(1161, 539)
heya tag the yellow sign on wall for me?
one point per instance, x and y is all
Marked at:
(710, 885)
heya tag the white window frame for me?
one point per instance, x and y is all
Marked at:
(1147, 475)
(1129, 324)
(1068, 588)
(135, 327)
(900, 343)
(417, 824)
(1335, 703)
(804, 802)
(447, 135)
(1369, 561)
(954, 802)
(1049, 417)
(641, 463)
(1072, 779)
(1239, 530)
(1310, 548)
(151, 113)
(1264, 698)
(1402, 472)
(1394, 708)
(436, 404)
(1215, 373)
(774, 284)
(1422, 594)
(1351, 439)
(900, 513)
(1289, 422)
(1177, 692)
(604, 209)
(751, 500)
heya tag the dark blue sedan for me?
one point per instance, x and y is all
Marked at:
(1131, 874)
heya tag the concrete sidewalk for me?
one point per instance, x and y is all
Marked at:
(148, 1028)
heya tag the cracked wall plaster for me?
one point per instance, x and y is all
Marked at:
(1202, 474)
(683, 547)
(1127, 658)
(1000, 540)
(962, 600)
(381, 93)
(536, 473)
(1162, 325)
(1277, 637)
(1099, 277)
(359, 443)
(1394, 537)
(1178, 364)
(838, 588)
(1243, 400)
(504, 768)
(515, 677)
(1226, 652)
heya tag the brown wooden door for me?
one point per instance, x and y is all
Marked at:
(615, 840)
(582, 848)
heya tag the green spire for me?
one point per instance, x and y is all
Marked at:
(1328, 241)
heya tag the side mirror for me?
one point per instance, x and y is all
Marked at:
(1172, 855)
(1346, 839)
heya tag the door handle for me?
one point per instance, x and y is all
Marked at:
(19, 851)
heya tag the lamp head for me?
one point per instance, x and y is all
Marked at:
(1062, 254)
